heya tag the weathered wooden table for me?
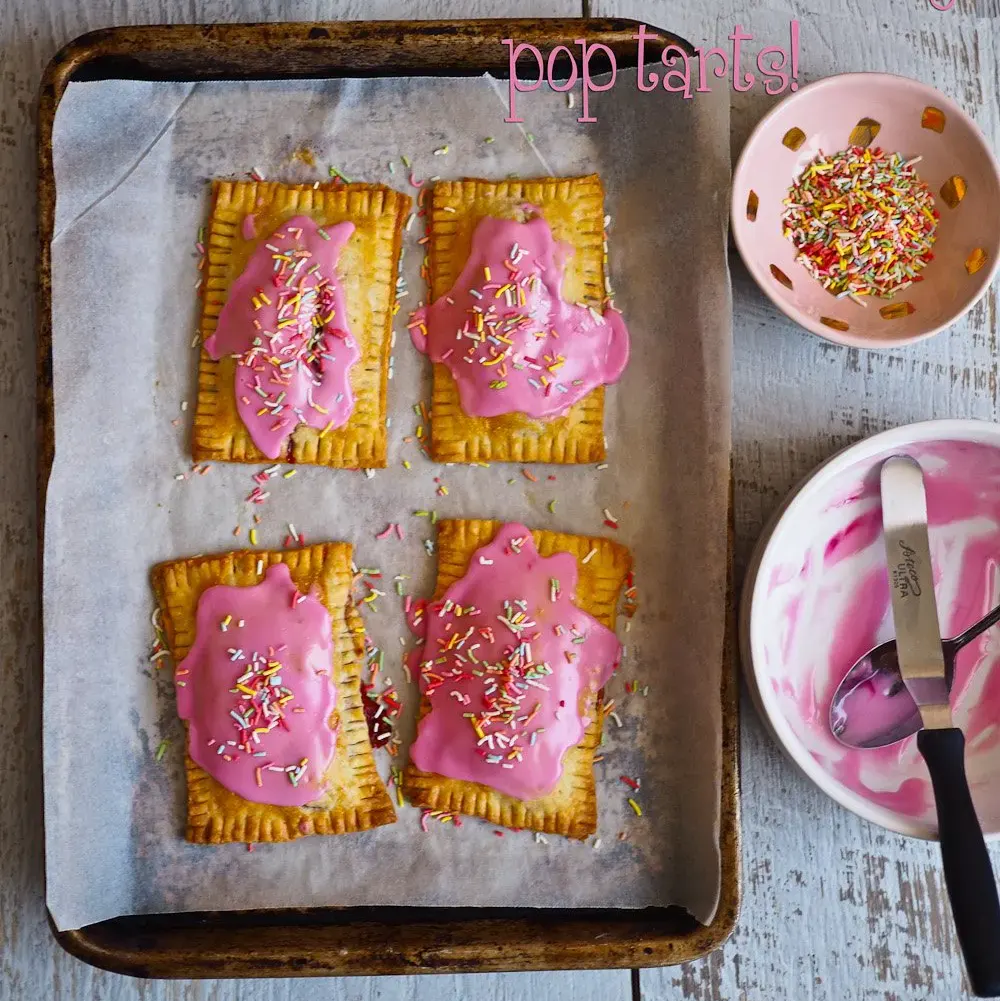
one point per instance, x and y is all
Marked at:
(834, 908)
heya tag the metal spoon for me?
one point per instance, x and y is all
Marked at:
(874, 683)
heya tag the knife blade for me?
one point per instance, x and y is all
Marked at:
(911, 584)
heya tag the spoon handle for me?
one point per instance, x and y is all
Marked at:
(968, 873)
(973, 631)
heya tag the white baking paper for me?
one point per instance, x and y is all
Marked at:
(133, 161)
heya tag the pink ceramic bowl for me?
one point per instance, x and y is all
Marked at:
(898, 115)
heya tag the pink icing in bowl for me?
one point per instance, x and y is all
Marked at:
(816, 598)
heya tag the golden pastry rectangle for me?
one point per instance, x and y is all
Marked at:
(571, 809)
(574, 209)
(356, 799)
(368, 270)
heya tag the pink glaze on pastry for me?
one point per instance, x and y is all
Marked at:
(262, 654)
(510, 341)
(509, 665)
(286, 322)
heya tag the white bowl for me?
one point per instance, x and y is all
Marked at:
(816, 597)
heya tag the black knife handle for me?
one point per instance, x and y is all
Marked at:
(968, 873)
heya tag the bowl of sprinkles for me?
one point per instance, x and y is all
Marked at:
(867, 208)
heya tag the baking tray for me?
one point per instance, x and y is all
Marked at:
(365, 940)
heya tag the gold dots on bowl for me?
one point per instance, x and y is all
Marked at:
(834, 324)
(896, 310)
(973, 263)
(752, 204)
(780, 276)
(933, 119)
(864, 133)
(953, 190)
(793, 138)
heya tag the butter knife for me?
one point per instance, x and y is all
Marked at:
(968, 873)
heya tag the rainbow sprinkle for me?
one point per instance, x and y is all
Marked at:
(382, 710)
(862, 221)
(261, 706)
(444, 816)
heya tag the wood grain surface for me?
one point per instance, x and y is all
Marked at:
(834, 908)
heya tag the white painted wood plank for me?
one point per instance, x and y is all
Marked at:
(31, 965)
(579, 986)
(834, 907)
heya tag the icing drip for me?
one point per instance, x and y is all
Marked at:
(510, 341)
(286, 322)
(511, 667)
(257, 692)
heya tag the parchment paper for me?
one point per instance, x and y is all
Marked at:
(132, 164)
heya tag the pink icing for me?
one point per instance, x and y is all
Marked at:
(531, 352)
(858, 535)
(510, 666)
(840, 610)
(284, 764)
(286, 322)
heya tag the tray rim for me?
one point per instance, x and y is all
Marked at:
(325, 941)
